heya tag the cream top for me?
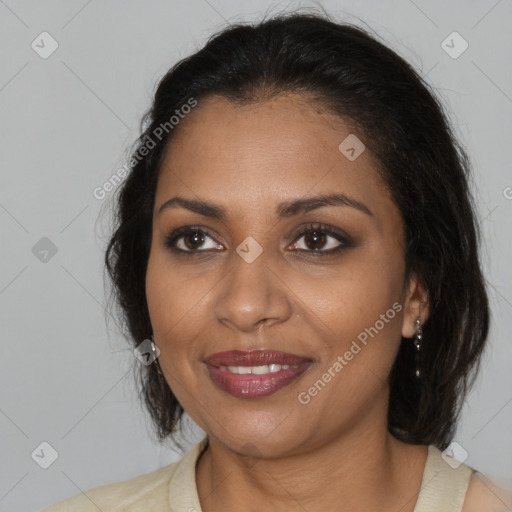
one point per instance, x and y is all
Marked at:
(172, 488)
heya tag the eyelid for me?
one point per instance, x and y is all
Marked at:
(345, 240)
(172, 237)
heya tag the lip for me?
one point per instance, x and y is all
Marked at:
(254, 385)
(254, 358)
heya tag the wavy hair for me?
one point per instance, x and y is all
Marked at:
(424, 167)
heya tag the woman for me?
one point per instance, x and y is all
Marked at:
(298, 238)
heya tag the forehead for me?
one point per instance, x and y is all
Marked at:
(263, 152)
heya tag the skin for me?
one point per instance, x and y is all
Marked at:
(485, 495)
(336, 450)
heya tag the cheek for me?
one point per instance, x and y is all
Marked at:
(171, 311)
(353, 373)
(351, 297)
(177, 308)
(172, 300)
(358, 315)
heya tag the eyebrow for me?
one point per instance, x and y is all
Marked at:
(283, 210)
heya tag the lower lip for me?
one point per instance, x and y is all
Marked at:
(251, 385)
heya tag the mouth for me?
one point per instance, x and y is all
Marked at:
(255, 373)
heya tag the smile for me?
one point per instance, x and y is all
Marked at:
(256, 373)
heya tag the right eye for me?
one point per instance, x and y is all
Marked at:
(193, 237)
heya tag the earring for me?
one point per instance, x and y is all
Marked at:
(417, 346)
(155, 352)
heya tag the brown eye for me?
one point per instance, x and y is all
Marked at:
(191, 239)
(316, 239)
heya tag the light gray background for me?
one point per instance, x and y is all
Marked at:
(66, 123)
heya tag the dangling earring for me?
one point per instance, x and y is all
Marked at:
(417, 346)
(155, 353)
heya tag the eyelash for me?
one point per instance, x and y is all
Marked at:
(346, 242)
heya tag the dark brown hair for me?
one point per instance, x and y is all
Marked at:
(422, 164)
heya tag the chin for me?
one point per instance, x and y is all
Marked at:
(258, 435)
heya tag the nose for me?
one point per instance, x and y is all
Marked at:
(253, 294)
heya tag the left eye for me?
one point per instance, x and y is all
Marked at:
(315, 236)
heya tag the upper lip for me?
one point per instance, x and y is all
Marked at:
(258, 357)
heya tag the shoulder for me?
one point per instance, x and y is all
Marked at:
(483, 495)
(150, 491)
(451, 485)
(143, 491)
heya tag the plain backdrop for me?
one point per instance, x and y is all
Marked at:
(66, 122)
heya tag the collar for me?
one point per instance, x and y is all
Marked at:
(183, 495)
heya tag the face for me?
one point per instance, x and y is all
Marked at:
(332, 299)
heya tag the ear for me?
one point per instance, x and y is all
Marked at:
(416, 305)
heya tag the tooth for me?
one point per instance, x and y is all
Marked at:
(260, 370)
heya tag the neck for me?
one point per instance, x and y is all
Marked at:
(360, 470)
